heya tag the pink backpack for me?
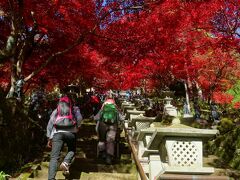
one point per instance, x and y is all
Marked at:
(64, 119)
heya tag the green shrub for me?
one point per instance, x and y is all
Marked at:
(226, 125)
(227, 143)
(3, 176)
(22, 140)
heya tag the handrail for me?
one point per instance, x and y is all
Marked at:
(135, 157)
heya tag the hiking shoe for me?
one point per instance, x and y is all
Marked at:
(65, 168)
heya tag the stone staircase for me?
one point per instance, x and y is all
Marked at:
(104, 173)
(86, 166)
(107, 176)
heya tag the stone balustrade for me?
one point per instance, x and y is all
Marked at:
(133, 112)
(129, 107)
(175, 149)
(168, 149)
(140, 122)
(135, 121)
(126, 103)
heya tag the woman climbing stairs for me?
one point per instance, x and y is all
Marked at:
(86, 166)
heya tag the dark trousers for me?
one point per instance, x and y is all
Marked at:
(57, 143)
(107, 135)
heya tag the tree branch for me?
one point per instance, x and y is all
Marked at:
(76, 43)
(53, 56)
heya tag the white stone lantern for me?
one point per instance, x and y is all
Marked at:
(169, 109)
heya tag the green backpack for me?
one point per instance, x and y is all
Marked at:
(109, 113)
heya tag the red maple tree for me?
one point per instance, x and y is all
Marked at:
(121, 45)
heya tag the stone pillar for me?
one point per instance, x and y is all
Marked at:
(155, 166)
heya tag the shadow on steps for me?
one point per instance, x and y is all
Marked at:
(86, 164)
(86, 158)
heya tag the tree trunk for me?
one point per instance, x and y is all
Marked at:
(13, 78)
(13, 86)
(199, 91)
(187, 97)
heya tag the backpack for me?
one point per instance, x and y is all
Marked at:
(64, 119)
(109, 113)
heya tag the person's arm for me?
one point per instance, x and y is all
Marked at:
(50, 127)
(78, 116)
(50, 123)
(98, 115)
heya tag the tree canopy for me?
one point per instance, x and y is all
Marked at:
(121, 44)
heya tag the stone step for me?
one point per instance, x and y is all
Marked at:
(43, 173)
(86, 162)
(108, 176)
(82, 166)
(191, 177)
(38, 172)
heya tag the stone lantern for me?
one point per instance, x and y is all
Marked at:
(169, 109)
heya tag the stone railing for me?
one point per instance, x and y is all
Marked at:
(140, 122)
(134, 122)
(175, 149)
(133, 112)
(128, 107)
